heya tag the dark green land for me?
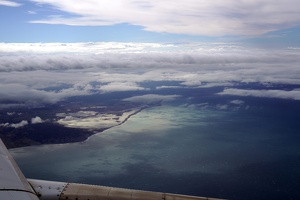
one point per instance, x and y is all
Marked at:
(43, 133)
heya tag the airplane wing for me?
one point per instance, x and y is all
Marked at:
(14, 186)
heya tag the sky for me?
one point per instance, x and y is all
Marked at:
(265, 23)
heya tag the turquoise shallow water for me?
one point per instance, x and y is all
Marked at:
(236, 154)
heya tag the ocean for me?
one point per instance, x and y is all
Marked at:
(241, 151)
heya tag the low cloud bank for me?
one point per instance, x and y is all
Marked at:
(22, 94)
(282, 94)
(31, 78)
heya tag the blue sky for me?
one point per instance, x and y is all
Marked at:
(256, 22)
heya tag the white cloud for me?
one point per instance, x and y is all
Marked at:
(10, 113)
(282, 94)
(17, 125)
(5, 124)
(120, 86)
(222, 106)
(152, 98)
(216, 84)
(31, 12)
(237, 102)
(168, 87)
(195, 17)
(36, 120)
(29, 77)
(9, 3)
(21, 93)
(83, 48)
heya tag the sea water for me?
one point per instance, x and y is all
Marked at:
(233, 154)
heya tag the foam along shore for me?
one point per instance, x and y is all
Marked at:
(95, 121)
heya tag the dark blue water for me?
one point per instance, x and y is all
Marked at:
(246, 151)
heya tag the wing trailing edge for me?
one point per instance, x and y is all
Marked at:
(48, 190)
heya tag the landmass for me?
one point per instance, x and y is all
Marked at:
(62, 123)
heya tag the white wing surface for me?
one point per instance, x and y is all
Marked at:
(13, 184)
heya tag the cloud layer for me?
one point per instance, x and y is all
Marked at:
(282, 94)
(195, 17)
(38, 74)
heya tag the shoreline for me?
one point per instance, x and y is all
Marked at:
(82, 134)
(122, 122)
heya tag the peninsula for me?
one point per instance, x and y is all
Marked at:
(66, 127)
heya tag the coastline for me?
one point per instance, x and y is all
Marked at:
(122, 122)
(132, 114)
(71, 134)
